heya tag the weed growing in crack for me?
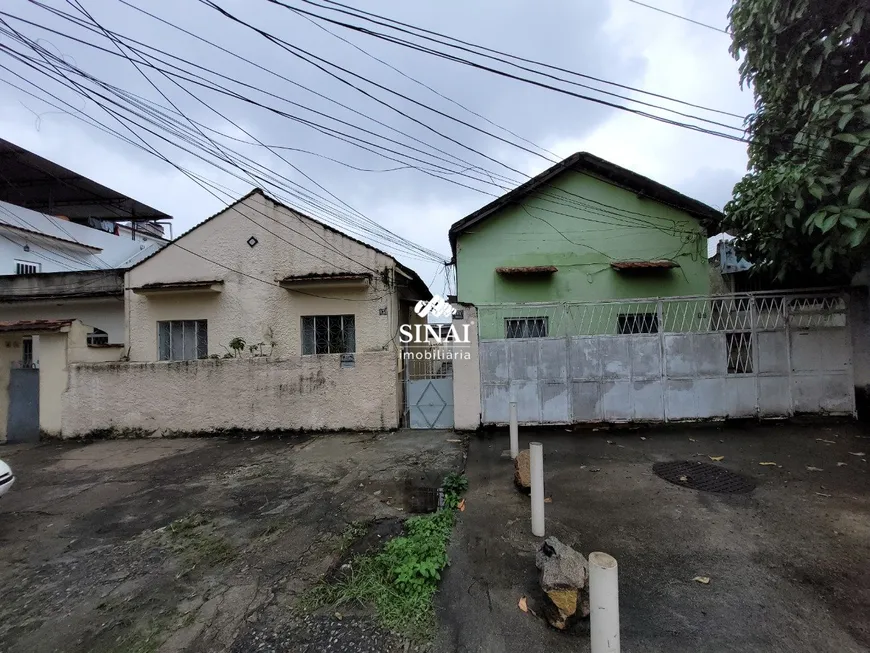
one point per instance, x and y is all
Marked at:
(193, 538)
(400, 581)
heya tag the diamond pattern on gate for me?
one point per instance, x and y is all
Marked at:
(429, 406)
(718, 313)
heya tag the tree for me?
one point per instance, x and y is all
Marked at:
(803, 210)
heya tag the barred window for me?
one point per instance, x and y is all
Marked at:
(180, 340)
(98, 337)
(739, 346)
(525, 327)
(328, 334)
(27, 267)
(637, 323)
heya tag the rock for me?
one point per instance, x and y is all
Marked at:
(522, 471)
(563, 578)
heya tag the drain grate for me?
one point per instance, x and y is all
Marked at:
(703, 476)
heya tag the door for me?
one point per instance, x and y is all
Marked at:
(428, 388)
(22, 424)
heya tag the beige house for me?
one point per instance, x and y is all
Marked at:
(236, 276)
(318, 312)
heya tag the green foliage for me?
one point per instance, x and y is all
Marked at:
(194, 539)
(803, 210)
(237, 345)
(455, 483)
(400, 580)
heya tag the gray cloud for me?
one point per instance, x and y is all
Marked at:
(577, 36)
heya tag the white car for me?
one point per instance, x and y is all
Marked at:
(6, 478)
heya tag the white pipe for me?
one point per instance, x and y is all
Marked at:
(604, 603)
(515, 436)
(536, 463)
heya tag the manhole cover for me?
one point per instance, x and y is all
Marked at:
(703, 476)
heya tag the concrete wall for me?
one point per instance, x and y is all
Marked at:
(581, 243)
(665, 377)
(466, 375)
(250, 305)
(56, 351)
(304, 392)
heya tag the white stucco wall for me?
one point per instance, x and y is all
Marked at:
(466, 374)
(256, 394)
(105, 313)
(251, 305)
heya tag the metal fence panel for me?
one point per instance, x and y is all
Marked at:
(679, 358)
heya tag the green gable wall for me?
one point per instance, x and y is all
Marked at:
(580, 237)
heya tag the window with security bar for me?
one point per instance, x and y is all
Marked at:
(637, 323)
(27, 267)
(739, 346)
(328, 334)
(525, 327)
(181, 340)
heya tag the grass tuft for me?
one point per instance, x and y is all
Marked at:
(400, 581)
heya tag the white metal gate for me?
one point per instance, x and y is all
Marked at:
(428, 386)
(748, 355)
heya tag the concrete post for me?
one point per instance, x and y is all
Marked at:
(603, 603)
(536, 464)
(514, 431)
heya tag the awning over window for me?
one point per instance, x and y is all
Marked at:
(534, 270)
(166, 287)
(631, 266)
(347, 280)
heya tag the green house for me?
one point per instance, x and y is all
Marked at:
(585, 230)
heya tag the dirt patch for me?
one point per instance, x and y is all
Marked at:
(194, 545)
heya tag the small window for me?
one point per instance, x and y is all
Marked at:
(328, 334)
(27, 352)
(98, 337)
(26, 267)
(181, 340)
(739, 346)
(525, 327)
(638, 323)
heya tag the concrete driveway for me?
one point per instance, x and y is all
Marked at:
(789, 563)
(194, 544)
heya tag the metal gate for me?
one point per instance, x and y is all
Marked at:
(680, 358)
(428, 386)
(22, 424)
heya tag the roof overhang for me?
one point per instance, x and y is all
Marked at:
(40, 237)
(42, 185)
(174, 287)
(61, 286)
(644, 266)
(345, 281)
(528, 271)
(30, 327)
(588, 163)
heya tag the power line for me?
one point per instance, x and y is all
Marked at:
(184, 148)
(686, 18)
(496, 71)
(106, 31)
(584, 198)
(511, 56)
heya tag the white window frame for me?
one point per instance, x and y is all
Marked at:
(527, 327)
(344, 342)
(27, 267)
(175, 342)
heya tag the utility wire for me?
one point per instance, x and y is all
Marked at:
(496, 71)
(361, 14)
(686, 18)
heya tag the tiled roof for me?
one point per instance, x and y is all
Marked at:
(45, 326)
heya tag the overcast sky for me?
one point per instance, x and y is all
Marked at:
(615, 39)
